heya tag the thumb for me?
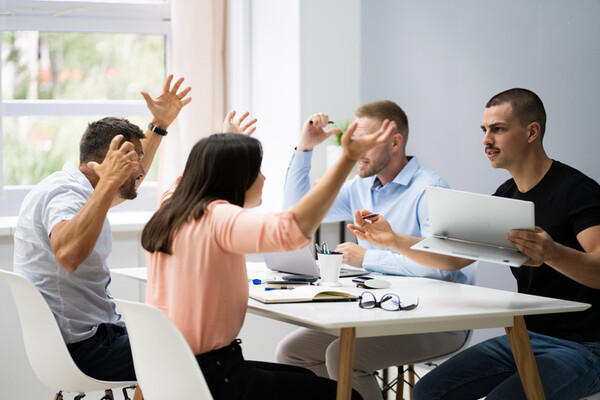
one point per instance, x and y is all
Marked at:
(147, 97)
(333, 131)
(93, 165)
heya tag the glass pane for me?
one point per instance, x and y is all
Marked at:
(35, 147)
(80, 66)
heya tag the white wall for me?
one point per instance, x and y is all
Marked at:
(441, 61)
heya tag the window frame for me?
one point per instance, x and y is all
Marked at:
(87, 17)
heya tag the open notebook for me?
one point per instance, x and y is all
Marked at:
(303, 293)
(474, 226)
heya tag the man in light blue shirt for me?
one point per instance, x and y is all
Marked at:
(392, 184)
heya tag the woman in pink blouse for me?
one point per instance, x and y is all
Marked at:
(196, 243)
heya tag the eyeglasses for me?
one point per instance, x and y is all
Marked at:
(388, 302)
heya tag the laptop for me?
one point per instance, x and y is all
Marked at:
(474, 226)
(302, 262)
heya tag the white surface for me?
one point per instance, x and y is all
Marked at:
(164, 371)
(443, 306)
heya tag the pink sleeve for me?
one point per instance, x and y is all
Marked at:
(242, 231)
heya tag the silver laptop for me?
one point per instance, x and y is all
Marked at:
(474, 226)
(302, 262)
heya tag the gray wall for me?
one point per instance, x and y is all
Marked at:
(442, 60)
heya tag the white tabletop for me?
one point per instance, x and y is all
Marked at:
(442, 306)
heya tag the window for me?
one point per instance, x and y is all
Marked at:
(65, 63)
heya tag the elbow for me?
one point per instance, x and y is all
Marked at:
(68, 263)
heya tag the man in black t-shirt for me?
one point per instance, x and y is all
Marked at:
(564, 262)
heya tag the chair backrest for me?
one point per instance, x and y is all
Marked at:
(44, 344)
(164, 363)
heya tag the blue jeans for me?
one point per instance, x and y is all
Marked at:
(568, 370)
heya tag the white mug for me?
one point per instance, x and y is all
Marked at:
(329, 267)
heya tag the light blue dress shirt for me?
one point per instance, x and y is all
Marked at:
(79, 300)
(402, 202)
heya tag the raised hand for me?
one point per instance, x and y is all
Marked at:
(231, 126)
(167, 105)
(375, 230)
(119, 163)
(355, 147)
(313, 131)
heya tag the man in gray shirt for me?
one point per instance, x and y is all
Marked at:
(63, 236)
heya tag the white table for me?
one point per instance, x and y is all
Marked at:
(443, 306)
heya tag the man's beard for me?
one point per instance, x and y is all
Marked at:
(127, 190)
(375, 168)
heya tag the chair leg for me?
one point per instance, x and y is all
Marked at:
(411, 379)
(58, 396)
(138, 395)
(400, 383)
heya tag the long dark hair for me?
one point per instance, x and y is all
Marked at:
(222, 166)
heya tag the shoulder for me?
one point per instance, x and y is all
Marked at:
(427, 177)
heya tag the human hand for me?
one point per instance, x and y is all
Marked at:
(355, 147)
(167, 105)
(375, 230)
(353, 253)
(538, 245)
(313, 131)
(118, 164)
(231, 126)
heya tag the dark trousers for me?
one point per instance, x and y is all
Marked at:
(230, 377)
(106, 355)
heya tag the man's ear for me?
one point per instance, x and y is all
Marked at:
(397, 140)
(533, 131)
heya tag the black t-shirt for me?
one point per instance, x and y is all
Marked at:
(566, 203)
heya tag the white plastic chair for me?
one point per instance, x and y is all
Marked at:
(45, 347)
(164, 363)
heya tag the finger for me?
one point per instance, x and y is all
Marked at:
(387, 133)
(333, 131)
(184, 92)
(126, 147)
(175, 88)
(243, 117)
(167, 84)
(93, 165)
(349, 133)
(114, 143)
(251, 131)
(147, 97)
(248, 124)
(186, 101)
(229, 116)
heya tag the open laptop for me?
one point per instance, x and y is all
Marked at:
(474, 226)
(302, 262)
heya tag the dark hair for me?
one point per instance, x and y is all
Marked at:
(526, 106)
(222, 166)
(385, 109)
(96, 138)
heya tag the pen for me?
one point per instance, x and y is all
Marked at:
(329, 122)
(368, 216)
(280, 288)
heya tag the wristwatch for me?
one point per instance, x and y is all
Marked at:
(157, 130)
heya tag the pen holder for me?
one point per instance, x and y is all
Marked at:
(329, 268)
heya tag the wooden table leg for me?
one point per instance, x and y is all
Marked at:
(523, 354)
(346, 364)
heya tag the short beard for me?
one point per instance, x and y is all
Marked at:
(374, 169)
(128, 190)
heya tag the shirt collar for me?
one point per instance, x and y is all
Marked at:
(74, 172)
(404, 176)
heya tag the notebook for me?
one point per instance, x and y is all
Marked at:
(474, 226)
(302, 262)
(303, 294)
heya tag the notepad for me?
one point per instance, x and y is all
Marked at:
(301, 294)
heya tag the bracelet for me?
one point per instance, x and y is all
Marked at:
(157, 130)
